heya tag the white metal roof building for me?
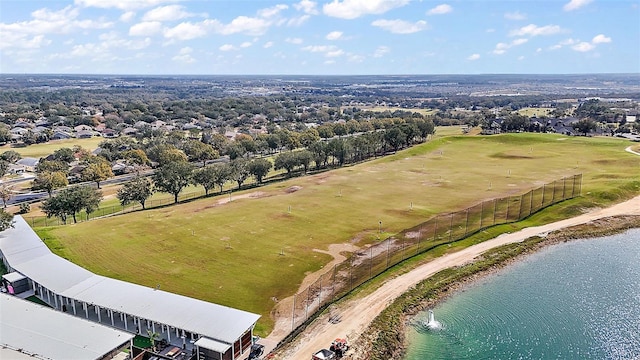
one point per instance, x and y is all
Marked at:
(29, 330)
(132, 307)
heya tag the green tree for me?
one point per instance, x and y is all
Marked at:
(5, 195)
(259, 168)
(239, 171)
(138, 189)
(49, 181)
(97, 170)
(4, 167)
(304, 158)
(5, 134)
(10, 156)
(64, 154)
(287, 161)
(172, 177)
(6, 220)
(207, 177)
(585, 126)
(394, 137)
(165, 153)
(71, 201)
(198, 151)
(52, 166)
(320, 154)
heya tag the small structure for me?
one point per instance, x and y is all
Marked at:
(32, 331)
(15, 281)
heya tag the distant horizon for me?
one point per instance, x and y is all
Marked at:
(321, 75)
(319, 37)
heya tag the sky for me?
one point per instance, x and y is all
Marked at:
(324, 37)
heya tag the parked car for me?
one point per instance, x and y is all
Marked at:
(256, 351)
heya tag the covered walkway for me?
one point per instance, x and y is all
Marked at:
(176, 319)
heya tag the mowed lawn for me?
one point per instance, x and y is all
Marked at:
(41, 150)
(254, 250)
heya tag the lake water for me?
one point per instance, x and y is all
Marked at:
(575, 300)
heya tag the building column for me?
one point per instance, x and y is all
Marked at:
(126, 327)
(73, 304)
(98, 312)
(112, 321)
(86, 309)
(55, 300)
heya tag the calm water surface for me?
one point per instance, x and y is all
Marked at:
(576, 300)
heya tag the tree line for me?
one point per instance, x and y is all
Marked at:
(178, 167)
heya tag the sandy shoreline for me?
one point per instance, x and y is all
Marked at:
(357, 314)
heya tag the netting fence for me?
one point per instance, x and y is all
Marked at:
(442, 229)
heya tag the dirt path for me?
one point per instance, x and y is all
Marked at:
(357, 314)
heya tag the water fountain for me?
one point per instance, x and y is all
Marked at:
(433, 324)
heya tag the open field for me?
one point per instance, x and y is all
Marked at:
(40, 150)
(392, 109)
(538, 112)
(257, 249)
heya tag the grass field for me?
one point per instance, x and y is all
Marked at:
(255, 250)
(40, 150)
(392, 109)
(538, 112)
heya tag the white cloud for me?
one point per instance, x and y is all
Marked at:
(583, 47)
(307, 6)
(227, 47)
(354, 58)
(334, 35)
(600, 39)
(330, 62)
(400, 26)
(575, 4)
(147, 28)
(534, 30)
(268, 44)
(122, 4)
(501, 47)
(32, 33)
(297, 21)
(184, 56)
(296, 41)
(515, 16)
(246, 44)
(167, 13)
(272, 11)
(186, 31)
(329, 51)
(351, 9)
(440, 10)
(319, 48)
(246, 25)
(563, 43)
(473, 57)
(490, 30)
(21, 41)
(521, 57)
(381, 51)
(127, 16)
(520, 41)
(108, 42)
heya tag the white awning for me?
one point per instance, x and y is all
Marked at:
(211, 344)
(13, 277)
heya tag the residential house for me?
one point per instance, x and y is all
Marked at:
(28, 163)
